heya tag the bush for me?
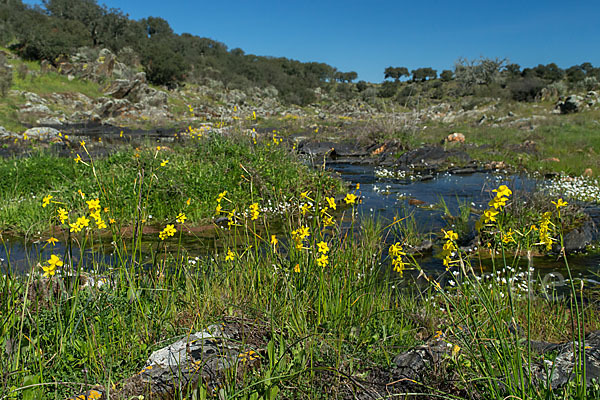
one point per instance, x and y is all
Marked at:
(526, 89)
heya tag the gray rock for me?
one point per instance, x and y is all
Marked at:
(200, 357)
(571, 104)
(42, 133)
(415, 363)
(561, 371)
(4, 133)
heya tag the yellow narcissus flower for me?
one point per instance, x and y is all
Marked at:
(323, 260)
(93, 204)
(83, 221)
(322, 247)
(330, 202)
(46, 200)
(350, 198)
(489, 216)
(53, 262)
(230, 255)
(181, 217)
(52, 240)
(396, 250)
(221, 196)
(164, 162)
(274, 240)
(254, 213)
(502, 191)
(560, 203)
(168, 231)
(450, 235)
(78, 158)
(63, 215)
(498, 202)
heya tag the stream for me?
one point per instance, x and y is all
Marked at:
(383, 198)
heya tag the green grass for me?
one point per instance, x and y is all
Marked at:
(198, 171)
(331, 325)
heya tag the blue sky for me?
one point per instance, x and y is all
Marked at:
(368, 36)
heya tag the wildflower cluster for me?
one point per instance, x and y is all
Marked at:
(449, 250)
(254, 213)
(322, 249)
(495, 206)
(52, 263)
(168, 231)
(299, 235)
(396, 255)
(94, 206)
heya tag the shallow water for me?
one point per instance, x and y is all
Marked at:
(382, 198)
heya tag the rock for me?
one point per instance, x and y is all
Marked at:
(5, 134)
(121, 88)
(579, 238)
(455, 137)
(35, 109)
(571, 104)
(106, 107)
(205, 357)
(416, 362)
(429, 157)
(42, 133)
(559, 372)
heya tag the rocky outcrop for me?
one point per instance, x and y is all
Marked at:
(200, 358)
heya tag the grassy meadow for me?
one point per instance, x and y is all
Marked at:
(336, 301)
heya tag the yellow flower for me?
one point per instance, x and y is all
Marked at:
(83, 221)
(322, 247)
(218, 209)
(221, 196)
(396, 250)
(164, 162)
(274, 240)
(82, 143)
(75, 227)
(189, 200)
(100, 223)
(111, 221)
(502, 191)
(297, 268)
(560, 203)
(63, 215)
(230, 255)
(81, 193)
(328, 221)
(304, 195)
(168, 231)
(508, 237)
(399, 265)
(181, 217)
(331, 202)
(53, 262)
(46, 200)
(254, 213)
(94, 204)
(78, 158)
(350, 198)
(498, 202)
(489, 216)
(323, 260)
(357, 186)
(304, 208)
(52, 240)
(450, 235)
